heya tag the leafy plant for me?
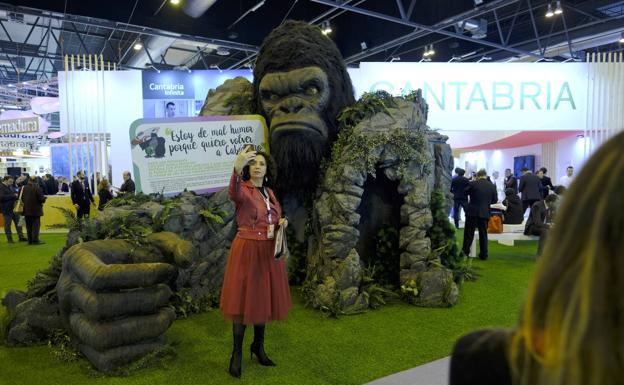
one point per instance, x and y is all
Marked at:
(72, 223)
(185, 304)
(374, 293)
(5, 321)
(387, 255)
(43, 284)
(213, 215)
(443, 242)
(62, 347)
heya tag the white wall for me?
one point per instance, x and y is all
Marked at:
(570, 152)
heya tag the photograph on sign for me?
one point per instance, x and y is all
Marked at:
(194, 154)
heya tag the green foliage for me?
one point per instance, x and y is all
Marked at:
(62, 347)
(374, 293)
(132, 200)
(185, 304)
(43, 284)
(71, 220)
(213, 215)
(386, 267)
(443, 243)
(409, 290)
(359, 152)
(298, 260)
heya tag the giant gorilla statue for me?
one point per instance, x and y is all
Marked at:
(300, 86)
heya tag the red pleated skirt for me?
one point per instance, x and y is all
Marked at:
(255, 285)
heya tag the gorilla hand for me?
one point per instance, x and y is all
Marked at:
(113, 296)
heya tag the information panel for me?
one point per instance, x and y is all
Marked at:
(196, 154)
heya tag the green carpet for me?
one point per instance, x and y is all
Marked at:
(308, 348)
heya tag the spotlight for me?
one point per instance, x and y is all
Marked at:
(558, 9)
(363, 45)
(326, 27)
(549, 11)
(174, 2)
(622, 38)
(395, 58)
(138, 45)
(429, 51)
(216, 67)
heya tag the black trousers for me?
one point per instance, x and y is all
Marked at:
(83, 211)
(527, 204)
(542, 240)
(457, 203)
(32, 228)
(12, 217)
(473, 223)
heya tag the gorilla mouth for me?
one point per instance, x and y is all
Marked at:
(294, 126)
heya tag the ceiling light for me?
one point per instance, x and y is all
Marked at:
(549, 11)
(622, 38)
(558, 9)
(363, 45)
(174, 2)
(216, 67)
(326, 27)
(137, 46)
(395, 58)
(429, 51)
(11, 85)
(255, 7)
(223, 51)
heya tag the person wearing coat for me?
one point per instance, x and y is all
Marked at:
(8, 197)
(513, 213)
(530, 188)
(81, 196)
(540, 219)
(105, 194)
(482, 194)
(255, 284)
(33, 199)
(460, 200)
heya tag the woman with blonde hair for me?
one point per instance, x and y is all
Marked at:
(570, 331)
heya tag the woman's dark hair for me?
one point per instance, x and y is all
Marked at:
(271, 172)
(510, 191)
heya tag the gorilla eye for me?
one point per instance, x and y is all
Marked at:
(268, 95)
(311, 90)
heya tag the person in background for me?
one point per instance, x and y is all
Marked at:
(33, 199)
(568, 177)
(81, 196)
(530, 188)
(170, 110)
(500, 185)
(51, 184)
(569, 331)
(127, 188)
(482, 194)
(510, 180)
(95, 183)
(62, 183)
(460, 200)
(513, 213)
(8, 197)
(547, 185)
(105, 194)
(540, 219)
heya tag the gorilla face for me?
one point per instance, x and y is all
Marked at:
(293, 102)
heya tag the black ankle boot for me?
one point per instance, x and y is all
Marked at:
(257, 347)
(237, 351)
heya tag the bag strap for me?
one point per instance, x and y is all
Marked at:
(21, 192)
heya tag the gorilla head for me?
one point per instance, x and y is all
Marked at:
(300, 86)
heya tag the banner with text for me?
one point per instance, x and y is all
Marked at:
(197, 154)
(489, 96)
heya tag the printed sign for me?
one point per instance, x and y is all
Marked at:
(196, 154)
(19, 126)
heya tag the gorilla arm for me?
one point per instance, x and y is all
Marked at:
(113, 296)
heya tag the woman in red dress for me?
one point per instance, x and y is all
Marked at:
(255, 286)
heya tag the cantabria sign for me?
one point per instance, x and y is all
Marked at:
(489, 96)
(196, 154)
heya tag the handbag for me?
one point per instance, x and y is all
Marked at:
(19, 205)
(281, 248)
(495, 225)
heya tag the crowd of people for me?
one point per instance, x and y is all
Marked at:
(22, 199)
(482, 197)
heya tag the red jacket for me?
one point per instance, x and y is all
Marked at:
(251, 210)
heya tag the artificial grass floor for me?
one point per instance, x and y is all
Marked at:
(307, 347)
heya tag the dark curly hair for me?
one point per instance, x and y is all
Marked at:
(271, 171)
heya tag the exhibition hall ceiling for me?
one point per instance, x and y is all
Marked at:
(226, 34)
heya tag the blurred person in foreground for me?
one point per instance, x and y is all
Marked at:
(570, 329)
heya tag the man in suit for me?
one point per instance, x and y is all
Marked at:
(530, 187)
(81, 196)
(127, 188)
(510, 181)
(540, 220)
(458, 185)
(482, 194)
(546, 182)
